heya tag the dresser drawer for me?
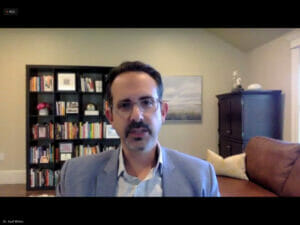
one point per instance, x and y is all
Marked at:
(228, 147)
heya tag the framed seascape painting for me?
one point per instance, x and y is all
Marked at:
(184, 96)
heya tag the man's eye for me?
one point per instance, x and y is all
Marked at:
(124, 105)
(147, 103)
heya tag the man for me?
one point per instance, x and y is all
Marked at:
(141, 166)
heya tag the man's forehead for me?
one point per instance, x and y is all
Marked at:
(130, 76)
(133, 86)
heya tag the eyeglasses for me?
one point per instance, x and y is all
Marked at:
(145, 105)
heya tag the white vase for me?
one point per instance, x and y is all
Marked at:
(43, 112)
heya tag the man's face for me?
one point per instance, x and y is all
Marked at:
(137, 128)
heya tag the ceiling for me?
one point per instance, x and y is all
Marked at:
(247, 39)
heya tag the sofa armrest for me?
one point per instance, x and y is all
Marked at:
(292, 184)
(270, 161)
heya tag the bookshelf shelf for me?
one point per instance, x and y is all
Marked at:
(56, 124)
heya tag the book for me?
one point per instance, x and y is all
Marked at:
(41, 83)
(98, 85)
(88, 84)
(60, 108)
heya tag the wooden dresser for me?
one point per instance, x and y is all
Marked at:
(246, 114)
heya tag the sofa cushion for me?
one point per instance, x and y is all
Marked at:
(231, 187)
(269, 162)
(232, 166)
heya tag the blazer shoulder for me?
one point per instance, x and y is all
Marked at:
(197, 176)
(79, 175)
(90, 164)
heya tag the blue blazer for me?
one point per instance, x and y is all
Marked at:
(96, 175)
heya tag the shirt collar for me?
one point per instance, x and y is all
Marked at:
(158, 166)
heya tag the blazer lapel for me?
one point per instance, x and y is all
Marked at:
(106, 184)
(168, 178)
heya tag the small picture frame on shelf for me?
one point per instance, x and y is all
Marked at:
(110, 132)
(66, 82)
(72, 108)
(65, 151)
(42, 131)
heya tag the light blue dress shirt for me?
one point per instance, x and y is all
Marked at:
(130, 186)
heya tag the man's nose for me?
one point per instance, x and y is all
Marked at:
(136, 114)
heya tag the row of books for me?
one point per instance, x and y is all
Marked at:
(43, 154)
(70, 130)
(41, 83)
(43, 177)
(49, 154)
(90, 85)
(73, 130)
(67, 130)
(45, 130)
(83, 150)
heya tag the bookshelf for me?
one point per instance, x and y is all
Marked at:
(64, 119)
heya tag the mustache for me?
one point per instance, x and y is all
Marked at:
(139, 124)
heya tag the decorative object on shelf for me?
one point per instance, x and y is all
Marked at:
(72, 108)
(44, 159)
(43, 108)
(66, 82)
(254, 87)
(90, 110)
(237, 82)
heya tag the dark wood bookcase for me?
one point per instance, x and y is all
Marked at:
(245, 114)
(53, 136)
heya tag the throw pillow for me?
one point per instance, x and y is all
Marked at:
(232, 166)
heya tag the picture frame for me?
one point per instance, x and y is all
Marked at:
(110, 132)
(66, 82)
(65, 151)
(42, 131)
(72, 108)
(184, 96)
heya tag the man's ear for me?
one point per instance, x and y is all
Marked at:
(164, 111)
(108, 113)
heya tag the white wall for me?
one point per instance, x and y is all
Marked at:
(270, 66)
(171, 51)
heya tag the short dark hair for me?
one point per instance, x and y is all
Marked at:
(134, 66)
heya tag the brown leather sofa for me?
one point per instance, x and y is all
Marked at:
(273, 169)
